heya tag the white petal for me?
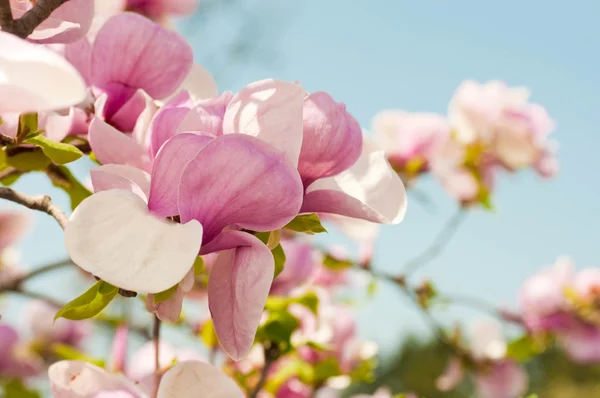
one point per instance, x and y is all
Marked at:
(370, 190)
(34, 78)
(487, 341)
(119, 176)
(113, 236)
(191, 379)
(76, 379)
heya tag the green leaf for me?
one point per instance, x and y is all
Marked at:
(58, 152)
(71, 354)
(165, 295)
(524, 348)
(29, 161)
(326, 369)
(310, 300)
(28, 125)
(334, 264)
(62, 178)
(307, 223)
(90, 303)
(279, 257)
(278, 328)
(16, 389)
(293, 367)
(209, 335)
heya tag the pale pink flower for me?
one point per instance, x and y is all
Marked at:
(502, 118)
(16, 359)
(39, 320)
(186, 379)
(409, 139)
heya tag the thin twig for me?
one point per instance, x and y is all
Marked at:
(438, 245)
(272, 353)
(44, 269)
(156, 340)
(37, 14)
(40, 203)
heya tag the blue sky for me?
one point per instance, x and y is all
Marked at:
(411, 55)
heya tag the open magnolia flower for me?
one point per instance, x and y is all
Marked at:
(495, 375)
(124, 236)
(34, 78)
(74, 379)
(68, 23)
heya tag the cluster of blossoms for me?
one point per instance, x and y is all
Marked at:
(490, 127)
(188, 176)
(206, 197)
(560, 303)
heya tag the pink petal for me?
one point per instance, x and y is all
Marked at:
(134, 51)
(110, 146)
(76, 379)
(56, 126)
(113, 236)
(505, 380)
(117, 176)
(165, 123)
(581, 342)
(487, 340)
(237, 292)
(80, 55)
(34, 78)
(270, 110)
(191, 379)
(299, 265)
(332, 138)
(369, 190)
(13, 226)
(208, 114)
(168, 310)
(169, 165)
(67, 24)
(452, 376)
(118, 352)
(127, 115)
(219, 188)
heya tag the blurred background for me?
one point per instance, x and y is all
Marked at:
(411, 55)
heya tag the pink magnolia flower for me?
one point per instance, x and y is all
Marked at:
(39, 319)
(409, 139)
(495, 375)
(16, 359)
(542, 298)
(68, 23)
(299, 266)
(294, 388)
(130, 56)
(34, 78)
(121, 233)
(74, 379)
(501, 117)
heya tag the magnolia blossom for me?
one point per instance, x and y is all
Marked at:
(409, 139)
(247, 177)
(16, 358)
(74, 379)
(39, 320)
(68, 23)
(157, 10)
(13, 226)
(495, 376)
(34, 78)
(565, 303)
(502, 118)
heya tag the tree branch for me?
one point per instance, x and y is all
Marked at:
(438, 245)
(272, 353)
(25, 25)
(156, 340)
(6, 16)
(40, 203)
